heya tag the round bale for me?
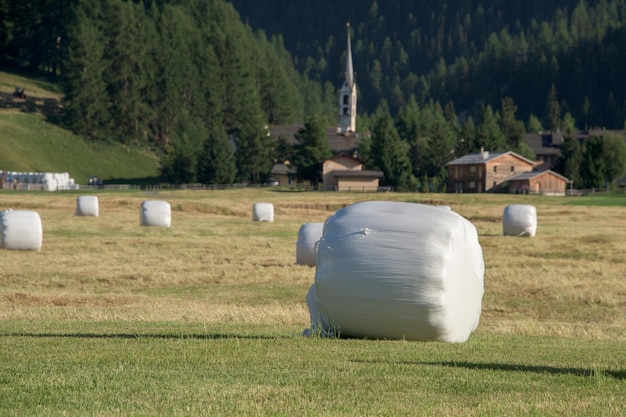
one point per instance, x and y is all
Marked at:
(306, 247)
(87, 205)
(263, 212)
(519, 220)
(20, 230)
(392, 270)
(156, 213)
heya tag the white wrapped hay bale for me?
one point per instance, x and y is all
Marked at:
(263, 212)
(520, 220)
(156, 213)
(308, 236)
(87, 205)
(393, 270)
(20, 230)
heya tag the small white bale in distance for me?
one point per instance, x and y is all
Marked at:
(156, 213)
(263, 212)
(520, 220)
(87, 205)
(306, 247)
(392, 270)
(20, 230)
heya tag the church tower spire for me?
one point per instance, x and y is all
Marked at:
(347, 95)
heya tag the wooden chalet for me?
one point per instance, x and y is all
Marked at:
(539, 182)
(484, 171)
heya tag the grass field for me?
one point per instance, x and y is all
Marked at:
(204, 318)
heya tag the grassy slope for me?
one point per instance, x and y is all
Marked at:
(29, 142)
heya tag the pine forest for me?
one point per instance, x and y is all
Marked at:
(202, 82)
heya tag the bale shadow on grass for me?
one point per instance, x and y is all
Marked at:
(532, 368)
(621, 374)
(208, 336)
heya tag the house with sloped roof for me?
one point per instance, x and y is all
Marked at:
(485, 171)
(502, 172)
(539, 182)
(345, 172)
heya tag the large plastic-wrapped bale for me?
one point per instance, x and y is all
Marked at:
(20, 230)
(87, 205)
(263, 212)
(308, 236)
(520, 220)
(156, 213)
(391, 270)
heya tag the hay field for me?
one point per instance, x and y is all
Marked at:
(214, 265)
(204, 318)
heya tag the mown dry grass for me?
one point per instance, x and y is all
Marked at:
(214, 265)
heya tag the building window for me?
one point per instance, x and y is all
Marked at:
(472, 168)
(456, 172)
(346, 99)
(472, 184)
(495, 169)
(512, 169)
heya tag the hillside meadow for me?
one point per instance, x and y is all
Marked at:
(32, 139)
(205, 317)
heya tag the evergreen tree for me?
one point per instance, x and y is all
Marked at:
(86, 101)
(283, 150)
(534, 124)
(390, 154)
(216, 164)
(442, 139)
(179, 164)
(311, 150)
(568, 123)
(593, 168)
(467, 138)
(603, 161)
(488, 133)
(125, 76)
(512, 128)
(614, 155)
(408, 119)
(569, 163)
(552, 113)
(279, 96)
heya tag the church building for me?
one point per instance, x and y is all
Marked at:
(343, 171)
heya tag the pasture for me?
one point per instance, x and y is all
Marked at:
(205, 317)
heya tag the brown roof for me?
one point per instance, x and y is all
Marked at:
(336, 142)
(534, 174)
(483, 158)
(282, 169)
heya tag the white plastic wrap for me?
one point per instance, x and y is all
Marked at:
(20, 230)
(263, 212)
(391, 270)
(87, 205)
(520, 220)
(156, 213)
(308, 236)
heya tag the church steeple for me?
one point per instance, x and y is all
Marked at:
(347, 95)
